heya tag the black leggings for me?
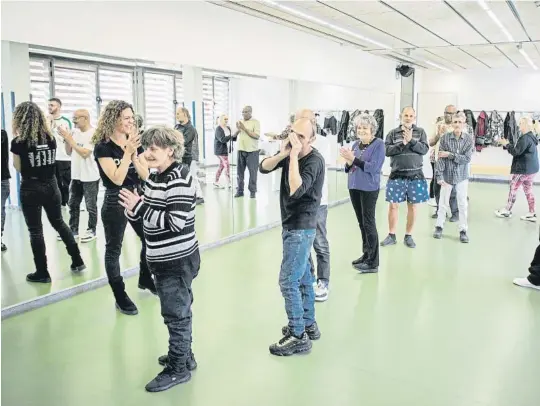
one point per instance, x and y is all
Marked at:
(44, 194)
(364, 204)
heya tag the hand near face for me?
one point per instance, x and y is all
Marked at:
(240, 126)
(285, 147)
(444, 154)
(64, 133)
(133, 143)
(346, 154)
(128, 199)
(296, 145)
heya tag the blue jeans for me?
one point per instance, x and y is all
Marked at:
(296, 279)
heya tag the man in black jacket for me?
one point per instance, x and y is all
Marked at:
(5, 180)
(191, 146)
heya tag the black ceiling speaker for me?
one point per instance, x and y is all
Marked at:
(405, 70)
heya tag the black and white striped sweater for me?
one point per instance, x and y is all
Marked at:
(168, 214)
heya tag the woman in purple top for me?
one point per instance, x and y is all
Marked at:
(363, 164)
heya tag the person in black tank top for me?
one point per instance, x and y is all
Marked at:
(34, 156)
(118, 153)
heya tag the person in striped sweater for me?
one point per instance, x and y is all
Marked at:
(168, 213)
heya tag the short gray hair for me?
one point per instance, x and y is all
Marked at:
(368, 119)
(164, 137)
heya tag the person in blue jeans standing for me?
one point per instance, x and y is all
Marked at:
(302, 179)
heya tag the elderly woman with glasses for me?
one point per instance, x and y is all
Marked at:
(172, 253)
(364, 162)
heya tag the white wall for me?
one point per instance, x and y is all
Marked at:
(195, 33)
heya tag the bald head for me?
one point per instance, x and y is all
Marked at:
(449, 112)
(81, 119)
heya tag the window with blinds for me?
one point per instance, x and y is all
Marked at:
(75, 86)
(40, 81)
(159, 96)
(115, 85)
(215, 101)
(179, 91)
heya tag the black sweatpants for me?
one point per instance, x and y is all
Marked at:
(63, 178)
(534, 269)
(251, 161)
(364, 204)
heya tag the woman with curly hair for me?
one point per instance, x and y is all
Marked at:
(34, 156)
(121, 165)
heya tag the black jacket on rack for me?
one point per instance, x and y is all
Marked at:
(330, 123)
(342, 133)
(510, 127)
(379, 117)
(469, 117)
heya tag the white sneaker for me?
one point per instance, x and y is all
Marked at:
(432, 202)
(524, 282)
(503, 213)
(529, 217)
(89, 236)
(321, 291)
(218, 186)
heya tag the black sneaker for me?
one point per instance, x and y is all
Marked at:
(147, 283)
(166, 379)
(437, 233)
(35, 277)
(252, 195)
(366, 268)
(4, 248)
(409, 242)
(290, 345)
(78, 268)
(312, 331)
(434, 215)
(454, 218)
(238, 194)
(389, 240)
(126, 306)
(191, 363)
(199, 200)
(359, 260)
(463, 237)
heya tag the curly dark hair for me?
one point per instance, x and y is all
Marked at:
(29, 124)
(109, 118)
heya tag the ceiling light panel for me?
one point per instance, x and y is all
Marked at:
(441, 19)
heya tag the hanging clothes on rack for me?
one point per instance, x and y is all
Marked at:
(482, 124)
(351, 130)
(510, 127)
(331, 124)
(344, 125)
(471, 122)
(379, 117)
(496, 128)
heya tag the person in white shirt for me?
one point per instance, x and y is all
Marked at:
(84, 173)
(320, 244)
(63, 160)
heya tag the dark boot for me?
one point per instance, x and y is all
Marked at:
(123, 302)
(77, 263)
(147, 282)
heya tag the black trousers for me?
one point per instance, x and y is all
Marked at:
(78, 190)
(114, 225)
(364, 204)
(63, 178)
(173, 283)
(35, 196)
(433, 182)
(251, 161)
(534, 269)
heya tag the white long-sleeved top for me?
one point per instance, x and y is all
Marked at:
(168, 214)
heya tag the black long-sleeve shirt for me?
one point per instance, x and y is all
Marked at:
(5, 156)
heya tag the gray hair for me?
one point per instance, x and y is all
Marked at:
(367, 119)
(164, 137)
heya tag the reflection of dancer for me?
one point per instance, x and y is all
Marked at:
(302, 179)
(5, 181)
(168, 210)
(121, 165)
(524, 169)
(248, 131)
(221, 149)
(34, 152)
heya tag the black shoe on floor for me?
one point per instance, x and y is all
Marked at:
(389, 240)
(454, 218)
(312, 331)
(35, 277)
(359, 260)
(408, 241)
(77, 264)
(437, 234)
(238, 194)
(191, 363)
(199, 200)
(253, 195)
(4, 248)
(366, 268)
(290, 345)
(147, 283)
(463, 237)
(126, 306)
(166, 379)
(434, 216)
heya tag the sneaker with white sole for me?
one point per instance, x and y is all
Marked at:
(503, 213)
(75, 235)
(321, 291)
(529, 217)
(218, 186)
(89, 236)
(524, 282)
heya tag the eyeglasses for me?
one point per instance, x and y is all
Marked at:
(459, 122)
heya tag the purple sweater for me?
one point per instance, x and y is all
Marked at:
(365, 172)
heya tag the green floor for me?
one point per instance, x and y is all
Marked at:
(441, 325)
(221, 216)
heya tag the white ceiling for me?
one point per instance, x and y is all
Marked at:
(453, 35)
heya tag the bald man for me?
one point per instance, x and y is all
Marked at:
(84, 174)
(302, 179)
(248, 132)
(320, 245)
(406, 147)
